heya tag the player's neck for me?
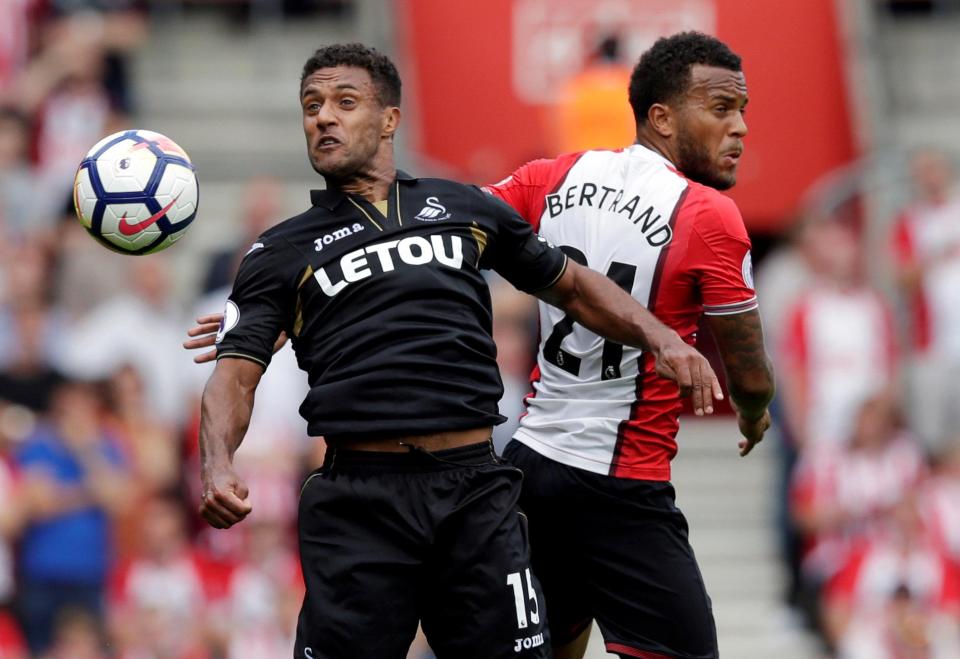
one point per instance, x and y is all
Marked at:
(657, 143)
(373, 180)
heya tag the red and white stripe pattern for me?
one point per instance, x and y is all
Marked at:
(930, 236)
(839, 349)
(678, 247)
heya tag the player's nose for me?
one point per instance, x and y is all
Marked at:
(739, 128)
(326, 116)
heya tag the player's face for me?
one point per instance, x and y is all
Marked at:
(343, 120)
(711, 127)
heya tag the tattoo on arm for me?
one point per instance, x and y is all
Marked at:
(739, 338)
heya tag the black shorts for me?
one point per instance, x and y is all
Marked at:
(614, 550)
(388, 540)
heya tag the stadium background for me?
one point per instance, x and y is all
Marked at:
(847, 98)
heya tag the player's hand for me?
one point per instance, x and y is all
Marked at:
(205, 333)
(225, 500)
(752, 431)
(682, 363)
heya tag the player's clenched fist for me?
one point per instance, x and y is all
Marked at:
(225, 498)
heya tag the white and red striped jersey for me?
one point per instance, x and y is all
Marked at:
(678, 247)
(874, 571)
(859, 485)
(930, 235)
(839, 350)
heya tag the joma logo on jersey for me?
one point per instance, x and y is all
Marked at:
(608, 199)
(359, 264)
(336, 235)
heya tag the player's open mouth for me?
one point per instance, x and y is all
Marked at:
(328, 143)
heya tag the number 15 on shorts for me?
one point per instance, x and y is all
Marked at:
(514, 581)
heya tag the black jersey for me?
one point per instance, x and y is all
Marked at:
(388, 313)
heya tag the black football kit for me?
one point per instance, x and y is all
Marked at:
(389, 315)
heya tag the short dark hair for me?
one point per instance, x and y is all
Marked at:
(381, 69)
(663, 72)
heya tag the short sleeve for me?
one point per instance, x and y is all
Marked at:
(720, 255)
(526, 189)
(518, 190)
(519, 255)
(260, 305)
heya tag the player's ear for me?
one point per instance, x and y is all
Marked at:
(390, 121)
(662, 120)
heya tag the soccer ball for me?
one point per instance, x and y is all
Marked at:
(136, 192)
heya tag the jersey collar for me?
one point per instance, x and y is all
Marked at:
(656, 154)
(330, 198)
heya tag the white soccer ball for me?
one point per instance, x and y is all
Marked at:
(136, 192)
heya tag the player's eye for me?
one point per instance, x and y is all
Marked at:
(348, 102)
(312, 108)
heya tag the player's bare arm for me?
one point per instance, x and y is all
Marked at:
(739, 338)
(224, 417)
(603, 307)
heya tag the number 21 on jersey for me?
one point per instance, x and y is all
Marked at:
(623, 275)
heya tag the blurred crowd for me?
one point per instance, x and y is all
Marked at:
(102, 553)
(867, 417)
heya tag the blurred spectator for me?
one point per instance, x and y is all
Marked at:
(30, 329)
(27, 377)
(593, 111)
(927, 247)
(264, 594)
(142, 328)
(74, 117)
(73, 484)
(77, 635)
(897, 596)
(26, 278)
(152, 448)
(87, 275)
(162, 598)
(838, 345)
(941, 498)
(118, 26)
(19, 214)
(150, 445)
(843, 492)
(785, 274)
(261, 208)
(906, 628)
